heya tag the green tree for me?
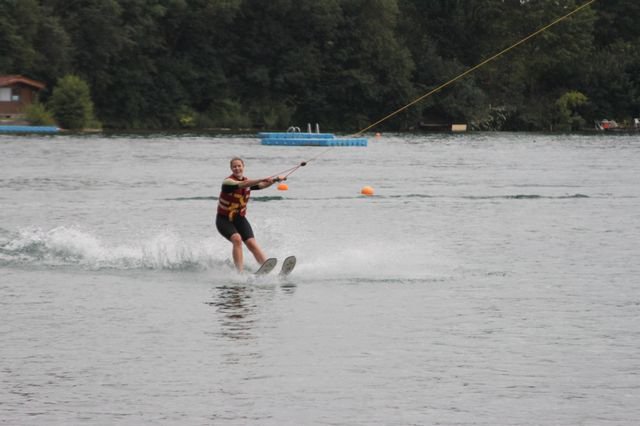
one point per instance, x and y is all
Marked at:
(18, 25)
(71, 103)
(617, 21)
(8, 40)
(447, 38)
(54, 54)
(369, 71)
(343, 63)
(613, 78)
(567, 107)
(548, 65)
(274, 62)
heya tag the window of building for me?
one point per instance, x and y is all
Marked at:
(15, 94)
(5, 94)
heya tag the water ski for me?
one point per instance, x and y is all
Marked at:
(267, 266)
(287, 266)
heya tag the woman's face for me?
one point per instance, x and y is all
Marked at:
(237, 168)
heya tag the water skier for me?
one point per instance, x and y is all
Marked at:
(231, 219)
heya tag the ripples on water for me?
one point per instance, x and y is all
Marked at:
(492, 279)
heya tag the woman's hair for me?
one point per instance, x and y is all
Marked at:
(236, 159)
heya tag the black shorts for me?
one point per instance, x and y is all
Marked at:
(239, 225)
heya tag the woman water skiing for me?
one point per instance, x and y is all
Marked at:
(231, 219)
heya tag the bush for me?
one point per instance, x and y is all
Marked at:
(187, 117)
(226, 114)
(567, 106)
(71, 103)
(38, 115)
(276, 116)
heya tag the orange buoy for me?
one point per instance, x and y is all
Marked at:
(283, 187)
(367, 190)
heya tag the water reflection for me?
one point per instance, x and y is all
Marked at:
(238, 307)
(288, 287)
(237, 311)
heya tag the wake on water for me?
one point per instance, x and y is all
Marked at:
(69, 246)
(77, 248)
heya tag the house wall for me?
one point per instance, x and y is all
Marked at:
(15, 98)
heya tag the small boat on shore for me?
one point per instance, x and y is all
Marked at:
(612, 126)
(28, 129)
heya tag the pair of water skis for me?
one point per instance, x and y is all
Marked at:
(287, 266)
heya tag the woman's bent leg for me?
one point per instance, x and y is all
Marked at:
(255, 249)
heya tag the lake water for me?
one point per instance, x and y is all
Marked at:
(493, 279)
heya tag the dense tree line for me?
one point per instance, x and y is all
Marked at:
(342, 63)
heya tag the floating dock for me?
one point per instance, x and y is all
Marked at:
(308, 139)
(28, 129)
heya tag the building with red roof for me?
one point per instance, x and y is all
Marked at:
(16, 93)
